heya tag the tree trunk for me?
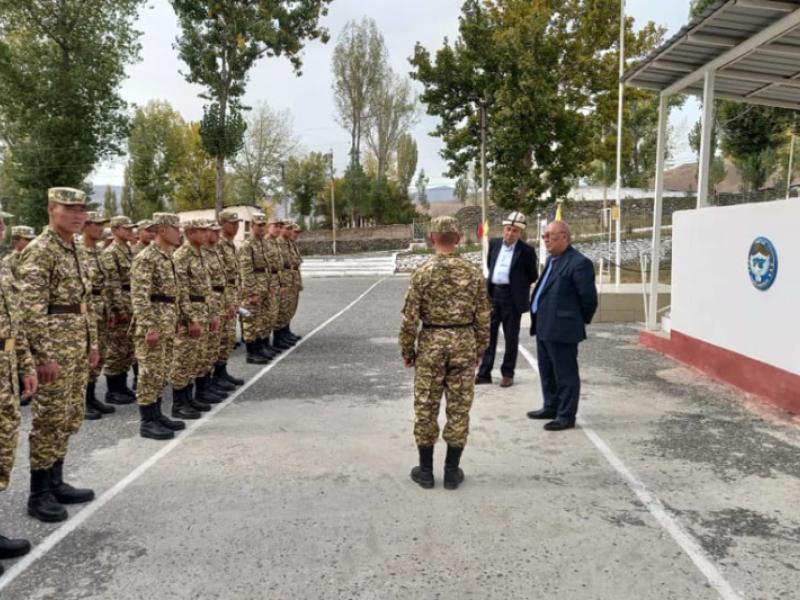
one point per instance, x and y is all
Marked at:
(220, 184)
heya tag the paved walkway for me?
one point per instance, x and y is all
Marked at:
(674, 487)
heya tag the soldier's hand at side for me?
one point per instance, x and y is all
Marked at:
(94, 357)
(409, 362)
(215, 324)
(478, 360)
(111, 321)
(151, 338)
(31, 384)
(48, 372)
(195, 330)
(254, 300)
(123, 318)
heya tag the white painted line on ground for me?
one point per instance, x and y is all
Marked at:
(84, 515)
(660, 513)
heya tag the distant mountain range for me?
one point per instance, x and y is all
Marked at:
(442, 193)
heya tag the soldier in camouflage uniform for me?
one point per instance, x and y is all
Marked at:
(280, 282)
(291, 232)
(154, 294)
(101, 308)
(229, 221)
(280, 339)
(146, 234)
(55, 296)
(108, 238)
(219, 306)
(448, 295)
(189, 363)
(21, 236)
(255, 288)
(117, 260)
(17, 366)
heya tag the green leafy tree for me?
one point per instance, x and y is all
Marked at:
(61, 66)
(195, 175)
(109, 202)
(461, 190)
(697, 7)
(305, 181)
(407, 156)
(126, 202)
(393, 113)
(422, 190)
(220, 43)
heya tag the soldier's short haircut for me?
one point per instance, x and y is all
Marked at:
(449, 238)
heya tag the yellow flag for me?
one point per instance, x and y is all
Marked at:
(558, 212)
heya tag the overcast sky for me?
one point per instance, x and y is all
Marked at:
(309, 98)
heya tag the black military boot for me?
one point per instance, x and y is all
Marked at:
(90, 413)
(94, 401)
(221, 372)
(278, 340)
(221, 383)
(196, 399)
(453, 476)
(41, 503)
(115, 393)
(135, 376)
(292, 334)
(287, 335)
(166, 421)
(264, 348)
(151, 427)
(123, 383)
(64, 492)
(206, 393)
(423, 473)
(254, 357)
(180, 405)
(10, 548)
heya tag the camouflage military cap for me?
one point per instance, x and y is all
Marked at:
(23, 231)
(445, 225)
(95, 217)
(214, 226)
(164, 218)
(106, 233)
(258, 219)
(121, 221)
(145, 224)
(65, 195)
(295, 226)
(274, 220)
(229, 216)
(195, 224)
(5, 215)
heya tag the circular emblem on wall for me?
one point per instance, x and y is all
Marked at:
(762, 263)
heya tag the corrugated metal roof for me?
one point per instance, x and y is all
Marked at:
(749, 69)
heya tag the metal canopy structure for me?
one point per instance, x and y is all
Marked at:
(741, 50)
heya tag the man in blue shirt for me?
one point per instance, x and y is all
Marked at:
(512, 270)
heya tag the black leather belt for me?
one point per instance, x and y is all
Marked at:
(66, 309)
(193, 298)
(97, 292)
(275, 271)
(218, 288)
(163, 298)
(446, 326)
(126, 287)
(259, 270)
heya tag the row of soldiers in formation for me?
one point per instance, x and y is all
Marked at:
(71, 309)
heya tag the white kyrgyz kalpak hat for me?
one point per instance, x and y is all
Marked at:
(516, 219)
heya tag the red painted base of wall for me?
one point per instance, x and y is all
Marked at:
(774, 385)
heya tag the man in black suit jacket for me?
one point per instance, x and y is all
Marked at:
(562, 304)
(512, 270)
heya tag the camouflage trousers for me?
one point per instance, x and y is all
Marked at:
(252, 325)
(285, 300)
(227, 339)
(189, 357)
(9, 425)
(270, 309)
(99, 308)
(154, 366)
(295, 295)
(120, 350)
(58, 406)
(445, 364)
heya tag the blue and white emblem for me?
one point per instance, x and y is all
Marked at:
(762, 263)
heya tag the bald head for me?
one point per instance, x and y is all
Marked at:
(557, 237)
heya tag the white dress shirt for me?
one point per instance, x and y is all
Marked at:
(502, 267)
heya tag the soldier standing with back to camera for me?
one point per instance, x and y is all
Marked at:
(54, 295)
(448, 295)
(154, 293)
(101, 308)
(229, 221)
(117, 259)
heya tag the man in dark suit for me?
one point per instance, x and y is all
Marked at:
(512, 270)
(562, 304)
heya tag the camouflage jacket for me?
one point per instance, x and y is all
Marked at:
(19, 360)
(216, 276)
(100, 281)
(193, 283)
(253, 268)
(138, 247)
(11, 262)
(446, 290)
(117, 260)
(154, 274)
(276, 256)
(51, 273)
(227, 252)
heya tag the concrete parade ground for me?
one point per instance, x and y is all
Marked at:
(297, 487)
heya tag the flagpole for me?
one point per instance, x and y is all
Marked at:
(618, 255)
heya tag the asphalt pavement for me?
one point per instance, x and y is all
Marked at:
(671, 487)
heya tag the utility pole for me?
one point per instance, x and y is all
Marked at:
(333, 203)
(618, 255)
(483, 162)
